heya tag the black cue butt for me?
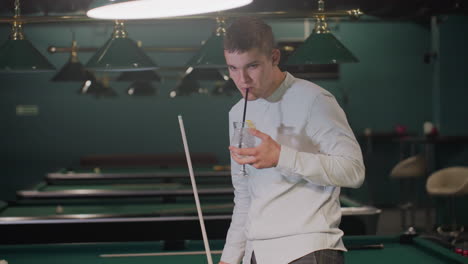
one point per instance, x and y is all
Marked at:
(370, 246)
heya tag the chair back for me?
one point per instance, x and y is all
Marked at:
(414, 166)
(448, 181)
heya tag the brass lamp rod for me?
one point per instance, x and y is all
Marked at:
(55, 49)
(353, 14)
(17, 9)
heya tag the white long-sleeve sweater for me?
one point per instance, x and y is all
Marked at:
(286, 212)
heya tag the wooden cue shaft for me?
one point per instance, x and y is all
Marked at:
(195, 192)
(156, 254)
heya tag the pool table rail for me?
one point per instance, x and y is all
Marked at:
(92, 193)
(133, 175)
(95, 228)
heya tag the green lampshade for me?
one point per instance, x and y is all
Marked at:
(120, 53)
(227, 88)
(185, 87)
(19, 55)
(210, 55)
(206, 74)
(131, 76)
(97, 88)
(141, 88)
(73, 71)
(321, 48)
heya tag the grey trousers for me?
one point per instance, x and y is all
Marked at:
(326, 256)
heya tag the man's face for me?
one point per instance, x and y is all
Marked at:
(253, 70)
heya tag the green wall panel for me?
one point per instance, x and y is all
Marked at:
(453, 75)
(390, 85)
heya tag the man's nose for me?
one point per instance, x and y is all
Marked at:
(244, 76)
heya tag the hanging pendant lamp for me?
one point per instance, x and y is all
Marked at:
(141, 82)
(186, 86)
(227, 88)
(321, 47)
(211, 54)
(97, 88)
(17, 54)
(206, 74)
(131, 76)
(141, 88)
(120, 53)
(73, 70)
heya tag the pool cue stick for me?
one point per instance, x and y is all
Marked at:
(243, 120)
(158, 254)
(369, 246)
(195, 192)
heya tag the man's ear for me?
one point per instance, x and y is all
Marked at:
(275, 56)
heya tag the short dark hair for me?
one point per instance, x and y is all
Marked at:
(247, 33)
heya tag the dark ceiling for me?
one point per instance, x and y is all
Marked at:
(387, 9)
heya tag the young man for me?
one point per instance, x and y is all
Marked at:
(287, 208)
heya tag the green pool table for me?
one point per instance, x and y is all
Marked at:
(118, 190)
(395, 250)
(134, 175)
(138, 218)
(357, 218)
(120, 219)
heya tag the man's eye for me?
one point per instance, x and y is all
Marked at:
(253, 66)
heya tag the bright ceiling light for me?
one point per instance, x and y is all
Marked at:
(146, 9)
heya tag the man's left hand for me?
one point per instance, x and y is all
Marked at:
(265, 155)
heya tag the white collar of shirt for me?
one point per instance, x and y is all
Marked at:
(279, 92)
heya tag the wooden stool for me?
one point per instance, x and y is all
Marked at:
(449, 182)
(406, 171)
